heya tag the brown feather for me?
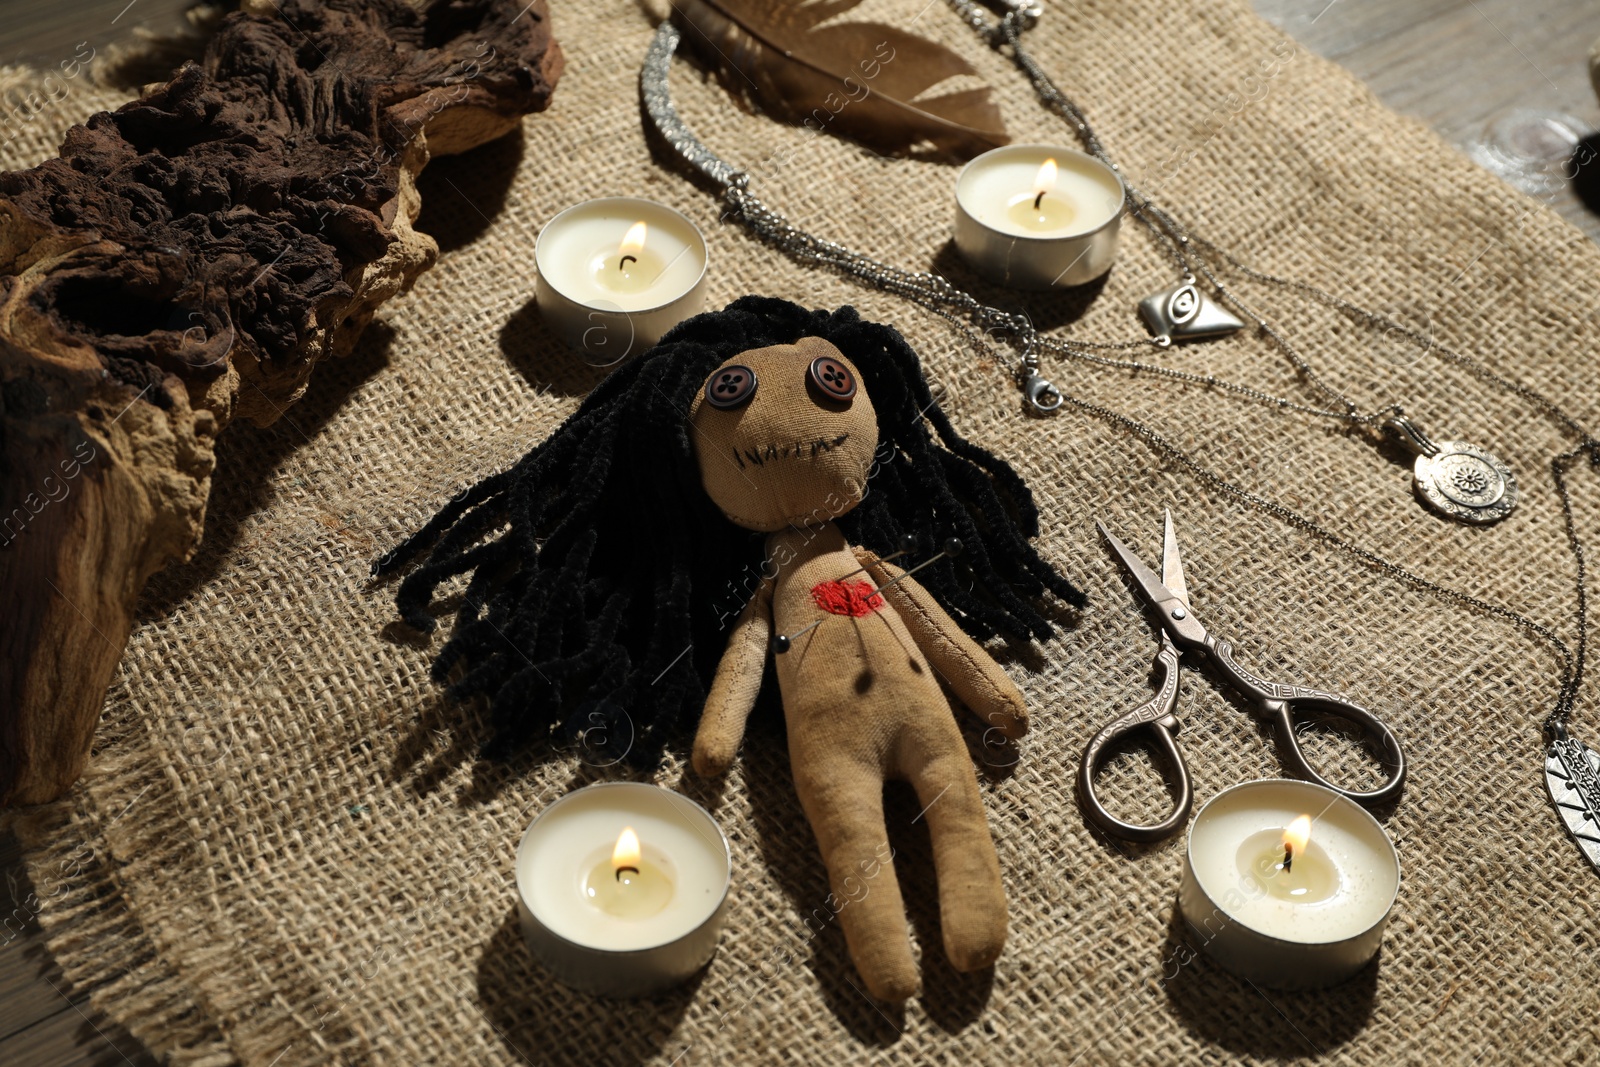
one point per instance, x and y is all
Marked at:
(863, 80)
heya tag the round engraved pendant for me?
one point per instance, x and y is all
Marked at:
(1465, 482)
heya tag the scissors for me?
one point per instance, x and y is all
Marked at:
(1181, 631)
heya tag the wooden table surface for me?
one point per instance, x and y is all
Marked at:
(1455, 64)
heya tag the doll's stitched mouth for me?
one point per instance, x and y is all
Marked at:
(789, 450)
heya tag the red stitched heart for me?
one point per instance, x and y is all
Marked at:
(847, 598)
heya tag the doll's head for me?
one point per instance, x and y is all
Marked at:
(607, 565)
(784, 435)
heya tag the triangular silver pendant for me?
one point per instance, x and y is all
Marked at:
(1572, 775)
(1184, 313)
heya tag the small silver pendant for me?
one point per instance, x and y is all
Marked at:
(1456, 479)
(1184, 313)
(1572, 775)
(1466, 482)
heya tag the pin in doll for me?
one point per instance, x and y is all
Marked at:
(724, 507)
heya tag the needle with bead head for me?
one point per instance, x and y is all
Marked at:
(782, 642)
(952, 548)
(908, 543)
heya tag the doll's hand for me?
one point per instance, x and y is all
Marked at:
(734, 689)
(713, 754)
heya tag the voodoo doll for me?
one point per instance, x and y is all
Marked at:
(727, 502)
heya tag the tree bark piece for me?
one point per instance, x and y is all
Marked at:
(187, 260)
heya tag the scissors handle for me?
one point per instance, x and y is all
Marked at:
(1280, 701)
(1155, 713)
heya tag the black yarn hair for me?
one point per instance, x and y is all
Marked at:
(604, 580)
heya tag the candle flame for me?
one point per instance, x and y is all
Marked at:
(1297, 834)
(633, 242)
(626, 854)
(1046, 179)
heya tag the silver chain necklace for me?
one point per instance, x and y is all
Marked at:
(1454, 478)
(1485, 492)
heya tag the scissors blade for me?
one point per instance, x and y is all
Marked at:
(1172, 565)
(1153, 589)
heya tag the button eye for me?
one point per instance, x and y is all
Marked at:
(832, 378)
(731, 386)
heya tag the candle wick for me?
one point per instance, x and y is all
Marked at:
(624, 261)
(1037, 199)
(635, 870)
(1288, 857)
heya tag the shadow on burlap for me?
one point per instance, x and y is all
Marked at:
(286, 853)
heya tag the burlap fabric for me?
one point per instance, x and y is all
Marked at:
(286, 852)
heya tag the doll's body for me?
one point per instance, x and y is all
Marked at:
(900, 725)
(861, 689)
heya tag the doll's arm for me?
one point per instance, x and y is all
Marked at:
(734, 689)
(972, 674)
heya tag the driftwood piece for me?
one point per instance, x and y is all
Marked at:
(185, 261)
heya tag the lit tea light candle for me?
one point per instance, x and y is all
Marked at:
(623, 888)
(628, 885)
(617, 273)
(1288, 884)
(633, 267)
(1038, 216)
(1040, 210)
